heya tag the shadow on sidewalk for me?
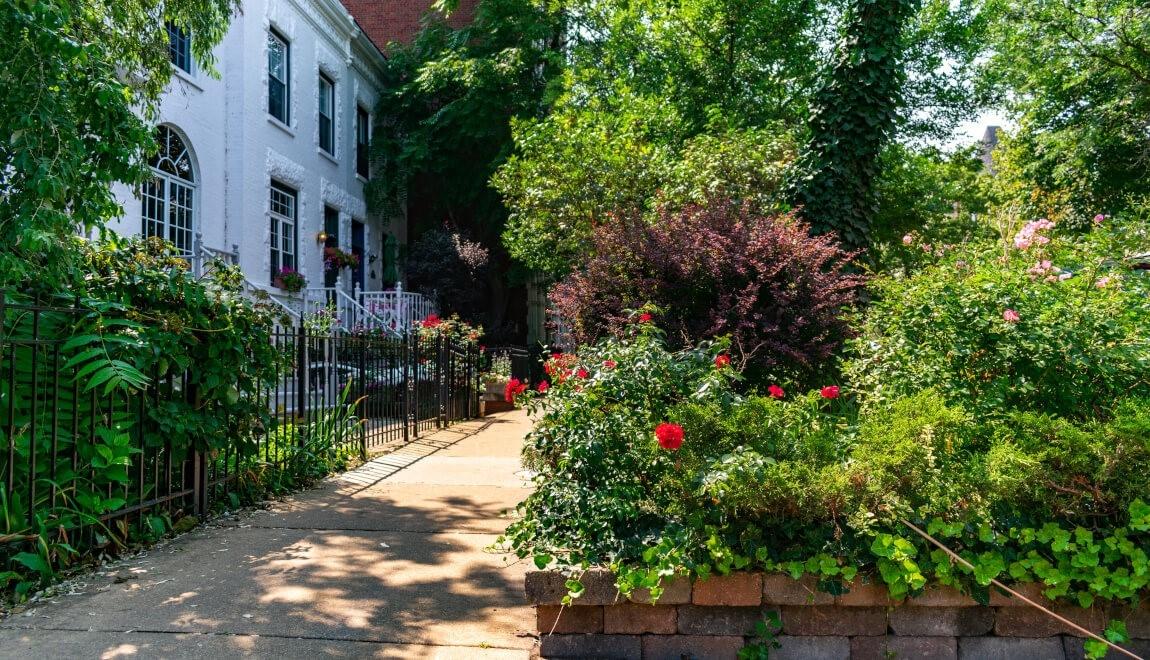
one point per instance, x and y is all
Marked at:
(351, 569)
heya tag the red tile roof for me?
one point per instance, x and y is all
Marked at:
(386, 21)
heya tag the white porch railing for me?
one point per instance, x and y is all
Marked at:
(395, 312)
(349, 313)
(202, 256)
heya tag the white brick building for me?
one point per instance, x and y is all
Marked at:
(271, 155)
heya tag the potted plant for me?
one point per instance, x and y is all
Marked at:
(289, 279)
(495, 379)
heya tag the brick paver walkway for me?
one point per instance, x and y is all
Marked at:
(390, 560)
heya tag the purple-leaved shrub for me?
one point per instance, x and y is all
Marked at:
(719, 270)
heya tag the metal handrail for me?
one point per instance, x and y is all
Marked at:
(251, 287)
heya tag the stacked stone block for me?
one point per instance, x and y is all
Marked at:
(714, 618)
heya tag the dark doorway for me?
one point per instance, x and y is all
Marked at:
(357, 244)
(331, 228)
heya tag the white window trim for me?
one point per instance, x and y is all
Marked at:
(275, 239)
(287, 44)
(192, 70)
(169, 179)
(186, 78)
(332, 97)
(367, 111)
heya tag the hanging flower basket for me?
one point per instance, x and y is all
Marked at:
(336, 259)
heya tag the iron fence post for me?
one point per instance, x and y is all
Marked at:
(10, 468)
(301, 374)
(441, 385)
(411, 385)
(361, 396)
(201, 472)
(201, 469)
(475, 392)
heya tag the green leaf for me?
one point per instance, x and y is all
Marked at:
(34, 562)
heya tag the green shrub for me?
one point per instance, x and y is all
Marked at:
(1061, 327)
(140, 365)
(807, 484)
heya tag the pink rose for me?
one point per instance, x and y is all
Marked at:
(1011, 316)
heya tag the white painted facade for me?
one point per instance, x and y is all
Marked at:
(238, 149)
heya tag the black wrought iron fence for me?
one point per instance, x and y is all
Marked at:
(62, 442)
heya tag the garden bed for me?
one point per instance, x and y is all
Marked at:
(717, 617)
(986, 425)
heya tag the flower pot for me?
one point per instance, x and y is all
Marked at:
(494, 390)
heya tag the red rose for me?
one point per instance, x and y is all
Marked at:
(432, 321)
(722, 360)
(776, 391)
(644, 318)
(514, 387)
(542, 386)
(670, 436)
(582, 373)
(609, 364)
(830, 392)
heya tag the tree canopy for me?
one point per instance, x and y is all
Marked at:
(82, 79)
(1075, 74)
(646, 80)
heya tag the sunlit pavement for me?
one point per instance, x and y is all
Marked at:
(392, 560)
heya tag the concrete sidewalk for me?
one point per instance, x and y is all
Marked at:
(386, 561)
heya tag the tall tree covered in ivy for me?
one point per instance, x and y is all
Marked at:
(852, 118)
(82, 79)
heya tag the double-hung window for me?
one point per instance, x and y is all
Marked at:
(279, 73)
(179, 47)
(362, 137)
(282, 207)
(326, 114)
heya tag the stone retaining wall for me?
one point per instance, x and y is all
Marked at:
(713, 618)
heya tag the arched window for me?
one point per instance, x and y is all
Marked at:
(169, 198)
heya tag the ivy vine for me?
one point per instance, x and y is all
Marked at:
(852, 117)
